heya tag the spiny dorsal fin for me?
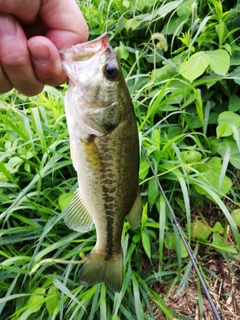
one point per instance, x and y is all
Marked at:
(76, 215)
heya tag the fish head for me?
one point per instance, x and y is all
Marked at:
(94, 73)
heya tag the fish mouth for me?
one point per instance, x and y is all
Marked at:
(86, 50)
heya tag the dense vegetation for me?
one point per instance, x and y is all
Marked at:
(181, 62)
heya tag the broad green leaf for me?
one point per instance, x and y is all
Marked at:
(226, 121)
(235, 153)
(174, 26)
(236, 216)
(36, 300)
(13, 164)
(170, 243)
(144, 168)
(144, 214)
(122, 52)
(219, 61)
(191, 156)
(126, 3)
(200, 230)
(132, 23)
(185, 10)
(64, 200)
(152, 192)
(218, 227)
(136, 238)
(236, 75)
(210, 173)
(221, 244)
(146, 243)
(53, 301)
(194, 66)
(168, 7)
(144, 3)
(234, 103)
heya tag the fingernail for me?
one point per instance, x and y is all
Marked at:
(8, 26)
(40, 53)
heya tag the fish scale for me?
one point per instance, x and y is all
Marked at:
(104, 143)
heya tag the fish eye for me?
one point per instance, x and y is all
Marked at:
(110, 71)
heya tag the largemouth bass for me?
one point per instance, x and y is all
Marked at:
(105, 153)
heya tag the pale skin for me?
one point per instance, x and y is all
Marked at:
(31, 33)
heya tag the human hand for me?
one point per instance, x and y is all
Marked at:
(31, 32)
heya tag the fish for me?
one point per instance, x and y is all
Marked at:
(104, 148)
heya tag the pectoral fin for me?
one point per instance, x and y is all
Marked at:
(76, 215)
(135, 214)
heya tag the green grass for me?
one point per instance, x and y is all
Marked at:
(189, 126)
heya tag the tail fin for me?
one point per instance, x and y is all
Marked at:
(98, 268)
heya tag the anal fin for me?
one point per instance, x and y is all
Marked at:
(135, 214)
(76, 216)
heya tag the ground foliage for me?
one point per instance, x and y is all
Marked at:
(181, 62)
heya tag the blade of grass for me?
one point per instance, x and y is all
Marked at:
(103, 303)
(200, 300)
(137, 300)
(162, 222)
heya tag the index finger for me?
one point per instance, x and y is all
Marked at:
(65, 21)
(25, 10)
(15, 60)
